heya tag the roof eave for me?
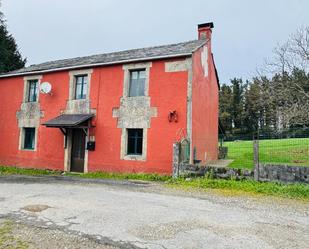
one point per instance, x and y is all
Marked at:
(58, 123)
(98, 64)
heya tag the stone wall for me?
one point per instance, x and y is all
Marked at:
(262, 172)
(182, 169)
(282, 173)
(188, 170)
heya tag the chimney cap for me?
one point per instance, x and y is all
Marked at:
(206, 25)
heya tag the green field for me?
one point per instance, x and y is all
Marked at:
(293, 151)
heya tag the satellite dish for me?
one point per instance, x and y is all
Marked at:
(45, 88)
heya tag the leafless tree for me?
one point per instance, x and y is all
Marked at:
(1, 16)
(289, 87)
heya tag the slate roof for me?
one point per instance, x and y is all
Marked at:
(141, 54)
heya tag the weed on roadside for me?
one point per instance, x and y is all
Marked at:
(294, 191)
(8, 240)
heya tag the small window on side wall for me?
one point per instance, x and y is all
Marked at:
(135, 142)
(137, 83)
(29, 138)
(81, 86)
(32, 95)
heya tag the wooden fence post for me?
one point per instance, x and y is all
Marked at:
(256, 159)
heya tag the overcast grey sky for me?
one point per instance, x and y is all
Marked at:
(245, 31)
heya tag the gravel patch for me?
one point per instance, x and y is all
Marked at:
(22, 236)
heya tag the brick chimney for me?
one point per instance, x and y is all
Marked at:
(204, 30)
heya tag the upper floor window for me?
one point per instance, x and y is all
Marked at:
(32, 91)
(137, 83)
(81, 86)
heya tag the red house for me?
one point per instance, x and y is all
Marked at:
(116, 112)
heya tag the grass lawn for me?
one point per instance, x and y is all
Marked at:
(293, 151)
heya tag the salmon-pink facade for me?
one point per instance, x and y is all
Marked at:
(180, 102)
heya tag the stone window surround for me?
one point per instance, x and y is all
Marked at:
(124, 146)
(124, 133)
(135, 66)
(26, 87)
(25, 102)
(72, 83)
(22, 139)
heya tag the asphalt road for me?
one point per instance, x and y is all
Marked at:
(138, 215)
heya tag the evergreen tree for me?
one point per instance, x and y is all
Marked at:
(10, 57)
(253, 110)
(237, 103)
(225, 106)
(267, 106)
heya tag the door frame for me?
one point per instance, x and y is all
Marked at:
(68, 149)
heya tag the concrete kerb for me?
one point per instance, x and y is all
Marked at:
(72, 179)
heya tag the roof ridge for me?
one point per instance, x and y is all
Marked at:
(123, 56)
(115, 52)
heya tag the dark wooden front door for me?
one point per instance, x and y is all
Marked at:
(78, 150)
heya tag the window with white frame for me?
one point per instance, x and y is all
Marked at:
(28, 138)
(32, 91)
(137, 82)
(81, 86)
(135, 142)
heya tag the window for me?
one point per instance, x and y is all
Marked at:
(81, 86)
(29, 138)
(135, 142)
(32, 90)
(137, 83)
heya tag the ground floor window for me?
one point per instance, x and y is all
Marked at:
(135, 142)
(29, 138)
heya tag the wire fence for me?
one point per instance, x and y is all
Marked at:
(289, 147)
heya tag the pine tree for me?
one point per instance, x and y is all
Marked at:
(10, 57)
(253, 110)
(237, 103)
(225, 106)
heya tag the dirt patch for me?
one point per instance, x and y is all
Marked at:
(140, 182)
(35, 208)
(299, 161)
(165, 231)
(222, 163)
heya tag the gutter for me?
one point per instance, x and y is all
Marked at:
(93, 65)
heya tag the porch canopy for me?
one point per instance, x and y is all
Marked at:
(69, 121)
